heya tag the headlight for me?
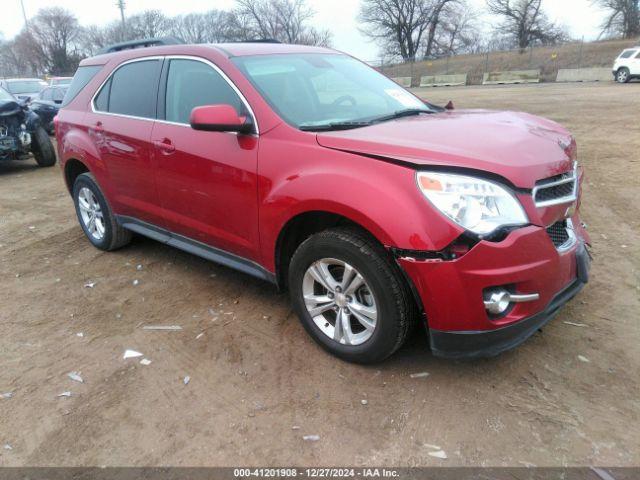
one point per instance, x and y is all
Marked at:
(477, 205)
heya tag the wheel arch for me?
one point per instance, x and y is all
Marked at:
(72, 169)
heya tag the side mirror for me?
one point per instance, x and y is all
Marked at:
(219, 118)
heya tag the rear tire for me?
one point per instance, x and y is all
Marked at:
(382, 290)
(42, 148)
(623, 75)
(96, 217)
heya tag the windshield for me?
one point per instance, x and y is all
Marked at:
(6, 96)
(25, 86)
(324, 90)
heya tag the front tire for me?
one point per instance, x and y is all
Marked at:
(623, 75)
(42, 148)
(95, 215)
(350, 296)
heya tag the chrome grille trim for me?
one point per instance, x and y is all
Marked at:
(568, 233)
(566, 178)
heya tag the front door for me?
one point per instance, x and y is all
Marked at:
(207, 181)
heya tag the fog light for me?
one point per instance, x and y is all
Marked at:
(498, 300)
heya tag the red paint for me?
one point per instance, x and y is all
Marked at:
(211, 116)
(237, 192)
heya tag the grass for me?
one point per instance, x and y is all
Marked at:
(548, 59)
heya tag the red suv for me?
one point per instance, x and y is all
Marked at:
(306, 168)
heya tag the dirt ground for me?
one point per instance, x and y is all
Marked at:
(255, 375)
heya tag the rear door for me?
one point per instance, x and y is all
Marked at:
(120, 122)
(207, 181)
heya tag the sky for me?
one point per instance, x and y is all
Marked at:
(339, 16)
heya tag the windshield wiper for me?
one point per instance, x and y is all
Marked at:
(333, 126)
(362, 123)
(409, 112)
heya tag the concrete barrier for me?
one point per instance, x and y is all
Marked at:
(514, 76)
(443, 80)
(404, 81)
(584, 75)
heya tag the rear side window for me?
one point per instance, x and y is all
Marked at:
(133, 89)
(80, 80)
(191, 84)
(628, 54)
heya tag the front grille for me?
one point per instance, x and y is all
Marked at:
(558, 233)
(561, 188)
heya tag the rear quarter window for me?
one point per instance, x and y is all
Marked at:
(80, 80)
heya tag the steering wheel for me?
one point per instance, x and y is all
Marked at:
(344, 98)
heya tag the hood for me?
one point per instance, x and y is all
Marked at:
(517, 146)
(8, 108)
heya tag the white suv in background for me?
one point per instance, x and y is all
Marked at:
(627, 65)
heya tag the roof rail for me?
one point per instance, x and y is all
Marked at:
(145, 42)
(258, 40)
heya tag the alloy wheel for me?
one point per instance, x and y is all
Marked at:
(340, 301)
(91, 213)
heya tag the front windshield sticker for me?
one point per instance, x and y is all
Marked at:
(405, 98)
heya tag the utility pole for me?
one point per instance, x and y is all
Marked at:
(24, 15)
(121, 5)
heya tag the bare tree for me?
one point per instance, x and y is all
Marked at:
(210, 27)
(405, 27)
(190, 28)
(148, 24)
(13, 62)
(526, 23)
(50, 44)
(283, 20)
(458, 32)
(623, 17)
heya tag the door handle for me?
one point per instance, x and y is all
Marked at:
(165, 146)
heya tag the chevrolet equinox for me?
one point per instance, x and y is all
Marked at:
(306, 168)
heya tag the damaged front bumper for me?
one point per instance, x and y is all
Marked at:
(12, 147)
(453, 292)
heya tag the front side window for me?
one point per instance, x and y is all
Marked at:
(321, 90)
(190, 84)
(628, 54)
(131, 90)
